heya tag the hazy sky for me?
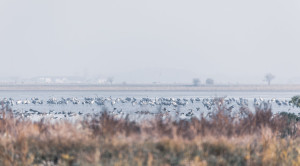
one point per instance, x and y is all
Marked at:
(152, 40)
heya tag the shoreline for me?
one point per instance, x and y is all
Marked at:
(73, 87)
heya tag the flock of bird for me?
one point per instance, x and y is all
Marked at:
(163, 103)
(208, 102)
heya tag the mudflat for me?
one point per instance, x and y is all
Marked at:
(79, 87)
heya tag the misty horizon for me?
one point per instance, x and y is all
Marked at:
(158, 41)
(134, 78)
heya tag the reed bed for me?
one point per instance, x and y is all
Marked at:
(255, 138)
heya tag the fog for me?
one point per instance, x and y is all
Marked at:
(171, 41)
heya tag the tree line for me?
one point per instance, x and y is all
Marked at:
(209, 81)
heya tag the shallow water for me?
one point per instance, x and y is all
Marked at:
(120, 109)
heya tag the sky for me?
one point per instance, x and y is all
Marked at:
(168, 41)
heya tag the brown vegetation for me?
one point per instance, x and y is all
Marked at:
(258, 138)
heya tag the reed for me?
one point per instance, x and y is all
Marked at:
(255, 138)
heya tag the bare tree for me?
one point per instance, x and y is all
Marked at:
(196, 82)
(268, 78)
(209, 81)
(110, 80)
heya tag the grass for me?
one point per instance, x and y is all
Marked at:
(253, 138)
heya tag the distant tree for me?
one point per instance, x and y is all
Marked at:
(196, 82)
(209, 81)
(110, 80)
(268, 78)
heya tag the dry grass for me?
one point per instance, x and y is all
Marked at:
(258, 138)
